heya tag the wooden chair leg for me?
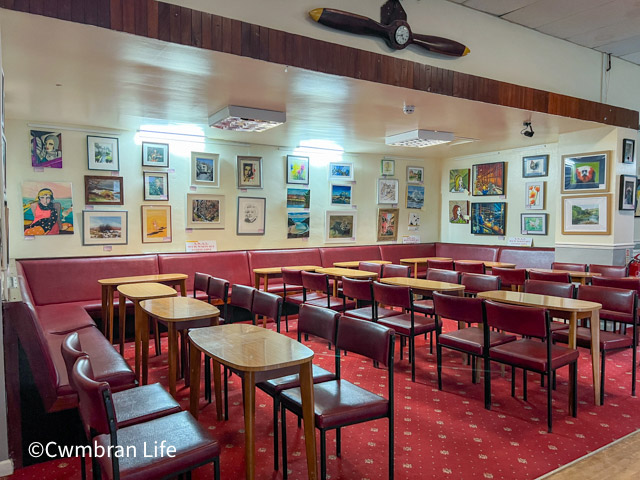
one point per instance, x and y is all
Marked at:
(283, 421)
(513, 381)
(524, 385)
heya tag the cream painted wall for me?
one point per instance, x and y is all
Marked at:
(367, 168)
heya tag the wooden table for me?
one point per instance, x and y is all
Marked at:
(264, 273)
(178, 312)
(137, 292)
(567, 308)
(424, 287)
(420, 261)
(356, 263)
(257, 354)
(338, 273)
(489, 264)
(110, 284)
(580, 277)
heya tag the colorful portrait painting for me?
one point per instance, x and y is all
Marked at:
(46, 149)
(47, 208)
(459, 180)
(637, 213)
(458, 211)
(488, 218)
(298, 224)
(298, 197)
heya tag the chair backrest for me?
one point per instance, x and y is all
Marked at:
(93, 398)
(624, 283)
(510, 276)
(617, 304)
(461, 309)
(469, 267)
(358, 289)
(549, 276)
(572, 267)
(316, 282)
(242, 296)
(218, 289)
(474, 283)
(267, 304)
(318, 321)
(392, 270)
(527, 321)
(441, 264)
(366, 338)
(609, 270)
(555, 289)
(200, 282)
(448, 276)
(71, 351)
(371, 267)
(291, 276)
(393, 295)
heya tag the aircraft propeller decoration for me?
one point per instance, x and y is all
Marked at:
(393, 28)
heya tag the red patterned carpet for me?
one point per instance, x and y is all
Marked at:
(445, 434)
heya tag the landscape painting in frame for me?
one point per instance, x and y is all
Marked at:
(387, 224)
(298, 224)
(586, 215)
(104, 228)
(205, 211)
(297, 169)
(415, 196)
(415, 174)
(341, 171)
(204, 169)
(48, 208)
(156, 224)
(340, 195)
(488, 218)
(458, 211)
(459, 180)
(533, 223)
(488, 179)
(103, 190)
(102, 153)
(298, 197)
(535, 166)
(534, 196)
(46, 149)
(340, 226)
(155, 154)
(585, 173)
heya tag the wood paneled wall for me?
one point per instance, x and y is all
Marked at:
(172, 23)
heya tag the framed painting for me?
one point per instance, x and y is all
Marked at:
(103, 190)
(388, 224)
(298, 197)
(340, 226)
(415, 196)
(387, 167)
(588, 172)
(155, 154)
(459, 180)
(205, 211)
(415, 174)
(46, 149)
(297, 169)
(533, 223)
(488, 218)
(249, 172)
(586, 215)
(534, 195)
(104, 228)
(628, 147)
(535, 166)
(627, 192)
(298, 224)
(387, 190)
(414, 219)
(156, 185)
(205, 168)
(458, 211)
(251, 215)
(340, 195)
(156, 223)
(637, 213)
(103, 153)
(47, 208)
(341, 171)
(488, 179)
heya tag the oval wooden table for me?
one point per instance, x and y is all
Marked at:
(256, 354)
(338, 273)
(580, 277)
(420, 261)
(488, 264)
(266, 272)
(356, 263)
(424, 287)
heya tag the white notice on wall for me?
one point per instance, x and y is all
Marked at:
(519, 241)
(410, 239)
(201, 246)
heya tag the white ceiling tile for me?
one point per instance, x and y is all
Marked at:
(622, 47)
(633, 57)
(543, 12)
(622, 29)
(498, 7)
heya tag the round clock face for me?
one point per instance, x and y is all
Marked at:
(402, 35)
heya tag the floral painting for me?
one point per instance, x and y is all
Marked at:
(297, 169)
(534, 192)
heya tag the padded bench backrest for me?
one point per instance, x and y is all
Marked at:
(330, 255)
(394, 253)
(463, 251)
(283, 258)
(528, 257)
(232, 266)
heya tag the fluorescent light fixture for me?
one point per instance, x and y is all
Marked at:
(246, 119)
(419, 138)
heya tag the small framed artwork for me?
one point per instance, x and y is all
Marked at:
(458, 211)
(103, 153)
(46, 149)
(155, 154)
(628, 146)
(249, 172)
(251, 215)
(103, 190)
(627, 192)
(298, 224)
(588, 172)
(156, 185)
(205, 211)
(156, 224)
(298, 197)
(534, 195)
(387, 224)
(414, 219)
(204, 169)
(459, 180)
(104, 228)
(387, 190)
(341, 171)
(637, 213)
(387, 167)
(488, 179)
(415, 196)
(297, 169)
(340, 226)
(47, 208)
(488, 218)
(535, 166)
(340, 195)
(533, 223)
(415, 174)
(586, 215)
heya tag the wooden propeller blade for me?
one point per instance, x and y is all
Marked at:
(348, 22)
(440, 45)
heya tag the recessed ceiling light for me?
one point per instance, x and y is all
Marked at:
(246, 119)
(419, 138)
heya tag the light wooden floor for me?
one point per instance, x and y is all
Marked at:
(619, 461)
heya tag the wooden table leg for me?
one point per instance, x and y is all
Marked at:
(306, 389)
(122, 319)
(415, 270)
(266, 282)
(138, 339)
(183, 287)
(144, 334)
(256, 280)
(217, 389)
(105, 310)
(249, 388)
(573, 325)
(595, 354)
(335, 285)
(194, 372)
(110, 311)
(173, 357)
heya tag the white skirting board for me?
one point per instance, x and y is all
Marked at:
(6, 468)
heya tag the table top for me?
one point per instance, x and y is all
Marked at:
(423, 259)
(545, 301)
(356, 263)
(489, 264)
(165, 277)
(144, 291)
(276, 270)
(250, 348)
(422, 284)
(347, 272)
(570, 272)
(176, 309)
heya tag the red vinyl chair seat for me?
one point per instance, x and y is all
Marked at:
(277, 385)
(472, 339)
(557, 326)
(423, 306)
(366, 313)
(402, 324)
(142, 404)
(334, 303)
(532, 355)
(298, 298)
(608, 340)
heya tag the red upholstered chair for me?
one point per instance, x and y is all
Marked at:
(267, 305)
(292, 282)
(371, 267)
(510, 278)
(192, 443)
(407, 325)
(425, 306)
(618, 305)
(554, 289)
(339, 403)
(200, 283)
(526, 353)
(475, 283)
(614, 282)
(241, 300)
(549, 276)
(392, 270)
(609, 270)
(319, 283)
(440, 264)
(467, 340)
(469, 267)
(572, 267)
(361, 290)
(218, 294)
